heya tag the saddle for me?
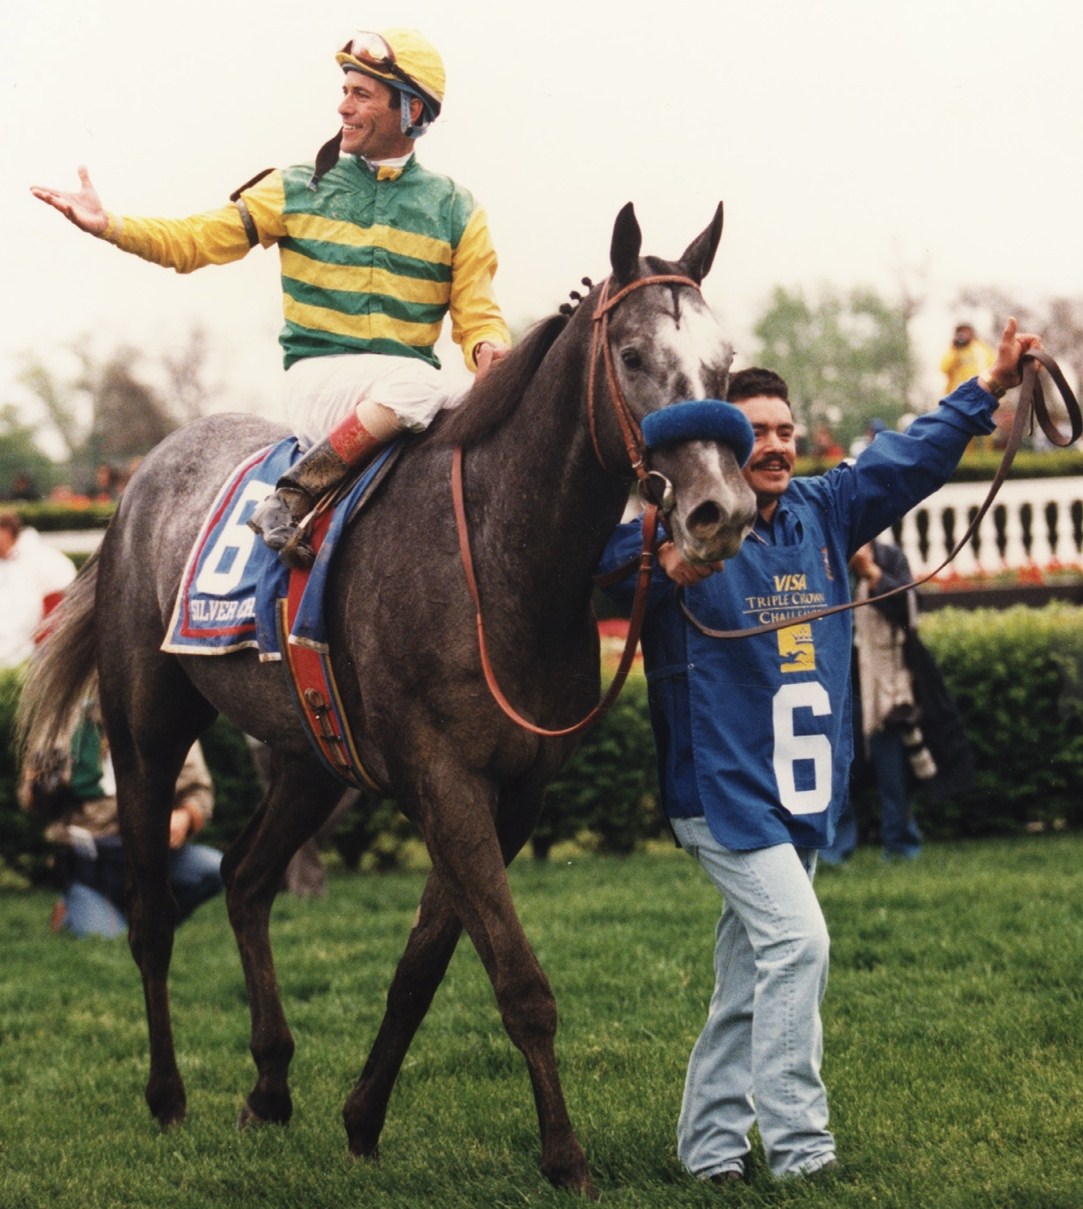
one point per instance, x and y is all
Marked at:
(235, 594)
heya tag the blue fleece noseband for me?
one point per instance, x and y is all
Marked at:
(700, 420)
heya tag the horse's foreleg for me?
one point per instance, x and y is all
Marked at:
(301, 797)
(466, 854)
(420, 971)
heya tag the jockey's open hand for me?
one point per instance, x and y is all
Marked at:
(84, 208)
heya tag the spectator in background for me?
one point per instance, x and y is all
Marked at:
(82, 802)
(967, 358)
(32, 577)
(824, 446)
(908, 732)
(107, 485)
(24, 488)
(872, 430)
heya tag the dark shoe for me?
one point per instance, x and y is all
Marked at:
(727, 1178)
(276, 519)
(58, 916)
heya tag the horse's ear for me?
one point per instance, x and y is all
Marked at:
(624, 250)
(699, 255)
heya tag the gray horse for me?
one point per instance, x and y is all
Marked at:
(545, 482)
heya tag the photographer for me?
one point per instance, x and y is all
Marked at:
(911, 729)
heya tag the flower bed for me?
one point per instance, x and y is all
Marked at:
(1031, 585)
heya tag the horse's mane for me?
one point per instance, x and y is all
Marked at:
(493, 399)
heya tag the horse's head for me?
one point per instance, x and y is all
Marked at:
(661, 345)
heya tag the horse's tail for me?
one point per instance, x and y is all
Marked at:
(63, 669)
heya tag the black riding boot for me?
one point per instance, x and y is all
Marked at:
(278, 519)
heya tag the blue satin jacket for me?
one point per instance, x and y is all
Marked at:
(755, 733)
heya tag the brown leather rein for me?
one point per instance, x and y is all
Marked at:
(1031, 404)
(633, 443)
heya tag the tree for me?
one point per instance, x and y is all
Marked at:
(19, 453)
(846, 356)
(117, 408)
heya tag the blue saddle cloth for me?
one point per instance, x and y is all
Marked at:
(232, 579)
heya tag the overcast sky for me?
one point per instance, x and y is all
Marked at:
(854, 142)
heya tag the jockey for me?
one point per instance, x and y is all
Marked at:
(375, 250)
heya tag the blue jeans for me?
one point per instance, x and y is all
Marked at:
(899, 833)
(95, 897)
(758, 1057)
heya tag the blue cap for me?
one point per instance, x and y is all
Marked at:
(700, 420)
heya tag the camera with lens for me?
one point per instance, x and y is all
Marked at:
(906, 720)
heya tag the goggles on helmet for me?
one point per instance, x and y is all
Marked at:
(372, 50)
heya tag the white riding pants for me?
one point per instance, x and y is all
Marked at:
(321, 391)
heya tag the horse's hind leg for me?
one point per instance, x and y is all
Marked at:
(420, 971)
(300, 798)
(146, 773)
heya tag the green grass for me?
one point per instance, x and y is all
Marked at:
(954, 1042)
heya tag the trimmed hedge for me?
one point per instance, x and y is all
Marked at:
(606, 796)
(1017, 676)
(52, 517)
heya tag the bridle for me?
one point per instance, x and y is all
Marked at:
(1031, 404)
(635, 448)
(599, 344)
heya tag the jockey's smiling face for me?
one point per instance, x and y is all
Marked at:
(774, 452)
(371, 119)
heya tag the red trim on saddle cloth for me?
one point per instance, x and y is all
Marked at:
(311, 679)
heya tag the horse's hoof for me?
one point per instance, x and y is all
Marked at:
(580, 1186)
(168, 1105)
(248, 1119)
(572, 1179)
(362, 1147)
(276, 1111)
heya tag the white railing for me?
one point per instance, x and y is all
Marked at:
(74, 541)
(1032, 522)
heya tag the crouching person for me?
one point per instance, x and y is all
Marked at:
(81, 799)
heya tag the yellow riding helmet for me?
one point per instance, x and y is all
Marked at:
(401, 58)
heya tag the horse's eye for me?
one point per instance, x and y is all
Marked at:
(631, 358)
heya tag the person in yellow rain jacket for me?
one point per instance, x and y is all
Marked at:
(967, 358)
(375, 251)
